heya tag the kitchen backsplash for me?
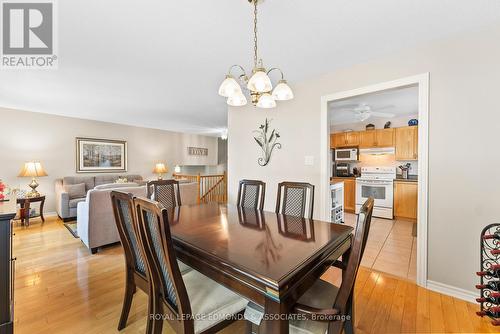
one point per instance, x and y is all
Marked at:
(368, 160)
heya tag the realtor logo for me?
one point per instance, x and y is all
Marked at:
(28, 33)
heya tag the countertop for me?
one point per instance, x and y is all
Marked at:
(8, 209)
(411, 178)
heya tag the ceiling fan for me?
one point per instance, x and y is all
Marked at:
(363, 111)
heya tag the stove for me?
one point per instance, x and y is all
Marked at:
(377, 182)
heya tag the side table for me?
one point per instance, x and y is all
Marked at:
(25, 208)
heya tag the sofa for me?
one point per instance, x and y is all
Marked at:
(66, 206)
(96, 225)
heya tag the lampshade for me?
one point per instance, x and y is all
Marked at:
(260, 82)
(229, 87)
(266, 101)
(32, 169)
(282, 91)
(237, 100)
(160, 168)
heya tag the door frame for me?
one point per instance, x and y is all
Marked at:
(422, 80)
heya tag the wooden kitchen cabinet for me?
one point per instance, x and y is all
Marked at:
(405, 199)
(384, 138)
(377, 138)
(407, 143)
(349, 193)
(344, 139)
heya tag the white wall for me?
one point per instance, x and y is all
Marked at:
(464, 185)
(27, 136)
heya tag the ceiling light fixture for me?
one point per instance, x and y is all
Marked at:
(259, 86)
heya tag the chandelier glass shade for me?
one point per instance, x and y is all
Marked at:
(259, 87)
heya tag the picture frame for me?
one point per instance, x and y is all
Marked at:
(96, 155)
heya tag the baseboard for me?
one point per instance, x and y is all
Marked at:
(469, 296)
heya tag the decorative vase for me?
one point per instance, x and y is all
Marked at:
(413, 122)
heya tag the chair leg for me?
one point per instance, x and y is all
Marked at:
(127, 302)
(349, 324)
(156, 320)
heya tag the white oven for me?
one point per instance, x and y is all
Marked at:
(346, 154)
(376, 182)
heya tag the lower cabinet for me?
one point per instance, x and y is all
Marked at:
(405, 199)
(349, 193)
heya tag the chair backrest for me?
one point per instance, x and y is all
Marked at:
(154, 233)
(251, 194)
(357, 250)
(165, 191)
(295, 199)
(123, 209)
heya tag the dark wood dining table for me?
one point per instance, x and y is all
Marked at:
(268, 258)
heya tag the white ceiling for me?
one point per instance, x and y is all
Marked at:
(158, 63)
(399, 102)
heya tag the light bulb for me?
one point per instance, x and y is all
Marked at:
(266, 101)
(237, 100)
(260, 82)
(229, 87)
(282, 91)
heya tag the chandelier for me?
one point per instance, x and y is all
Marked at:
(259, 87)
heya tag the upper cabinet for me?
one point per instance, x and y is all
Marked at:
(377, 138)
(407, 143)
(404, 139)
(344, 139)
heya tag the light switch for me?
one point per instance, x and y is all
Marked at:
(309, 160)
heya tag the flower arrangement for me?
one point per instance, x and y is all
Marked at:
(2, 188)
(121, 180)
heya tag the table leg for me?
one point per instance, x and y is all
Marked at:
(276, 322)
(41, 211)
(27, 213)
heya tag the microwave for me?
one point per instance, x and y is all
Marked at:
(346, 154)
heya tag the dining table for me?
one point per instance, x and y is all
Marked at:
(268, 258)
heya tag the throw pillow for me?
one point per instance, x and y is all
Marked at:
(75, 190)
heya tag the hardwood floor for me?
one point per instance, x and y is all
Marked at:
(61, 288)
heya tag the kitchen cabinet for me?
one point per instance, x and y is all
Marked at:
(377, 138)
(349, 193)
(344, 139)
(407, 143)
(405, 199)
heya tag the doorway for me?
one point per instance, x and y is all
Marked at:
(420, 85)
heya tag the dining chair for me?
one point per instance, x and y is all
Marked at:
(328, 304)
(191, 303)
(165, 191)
(136, 272)
(295, 199)
(251, 194)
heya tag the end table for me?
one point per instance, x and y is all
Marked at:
(25, 208)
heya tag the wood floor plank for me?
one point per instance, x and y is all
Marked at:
(61, 288)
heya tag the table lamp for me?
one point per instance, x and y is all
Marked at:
(160, 169)
(32, 169)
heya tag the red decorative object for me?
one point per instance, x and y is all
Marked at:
(2, 188)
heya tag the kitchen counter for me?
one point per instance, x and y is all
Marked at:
(411, 178)
(8, 209)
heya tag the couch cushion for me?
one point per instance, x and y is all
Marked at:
(75, 190)
(116, 185)
(73, 203)
(88, 180)
(105, 179)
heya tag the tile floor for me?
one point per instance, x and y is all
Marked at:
(390, 248)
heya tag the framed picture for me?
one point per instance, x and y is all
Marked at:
(100, 155)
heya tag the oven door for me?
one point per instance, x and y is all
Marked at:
(380, 190)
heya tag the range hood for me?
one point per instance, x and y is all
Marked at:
(378, 150)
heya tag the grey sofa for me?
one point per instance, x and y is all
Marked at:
(96, 225)
(66, 208)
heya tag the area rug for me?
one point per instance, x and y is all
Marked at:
(71, 226)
